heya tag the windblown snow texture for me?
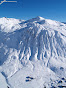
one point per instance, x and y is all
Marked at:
(35, 48)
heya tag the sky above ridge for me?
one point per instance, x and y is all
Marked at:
(27, 9)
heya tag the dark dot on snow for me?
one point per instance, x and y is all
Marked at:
(60, 81)
(31, 78)
(61, 68)
(27, 80)
(7, 86)
(45, 87)
(28, 77)
(65, 81)
(63, 78)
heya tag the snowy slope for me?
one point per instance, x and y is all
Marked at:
(3, 83)
(35, 48)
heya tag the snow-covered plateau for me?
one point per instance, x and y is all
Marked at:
(32, 53)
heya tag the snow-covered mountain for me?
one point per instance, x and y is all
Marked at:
(33, 52)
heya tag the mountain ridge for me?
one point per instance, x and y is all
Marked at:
(35, 44)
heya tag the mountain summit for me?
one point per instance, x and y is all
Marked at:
(32, 52)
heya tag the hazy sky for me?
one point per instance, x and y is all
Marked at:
(27, 9)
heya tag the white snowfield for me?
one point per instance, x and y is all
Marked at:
(32, 53)
(3, 83)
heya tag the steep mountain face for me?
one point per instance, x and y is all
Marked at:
(36, 47)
